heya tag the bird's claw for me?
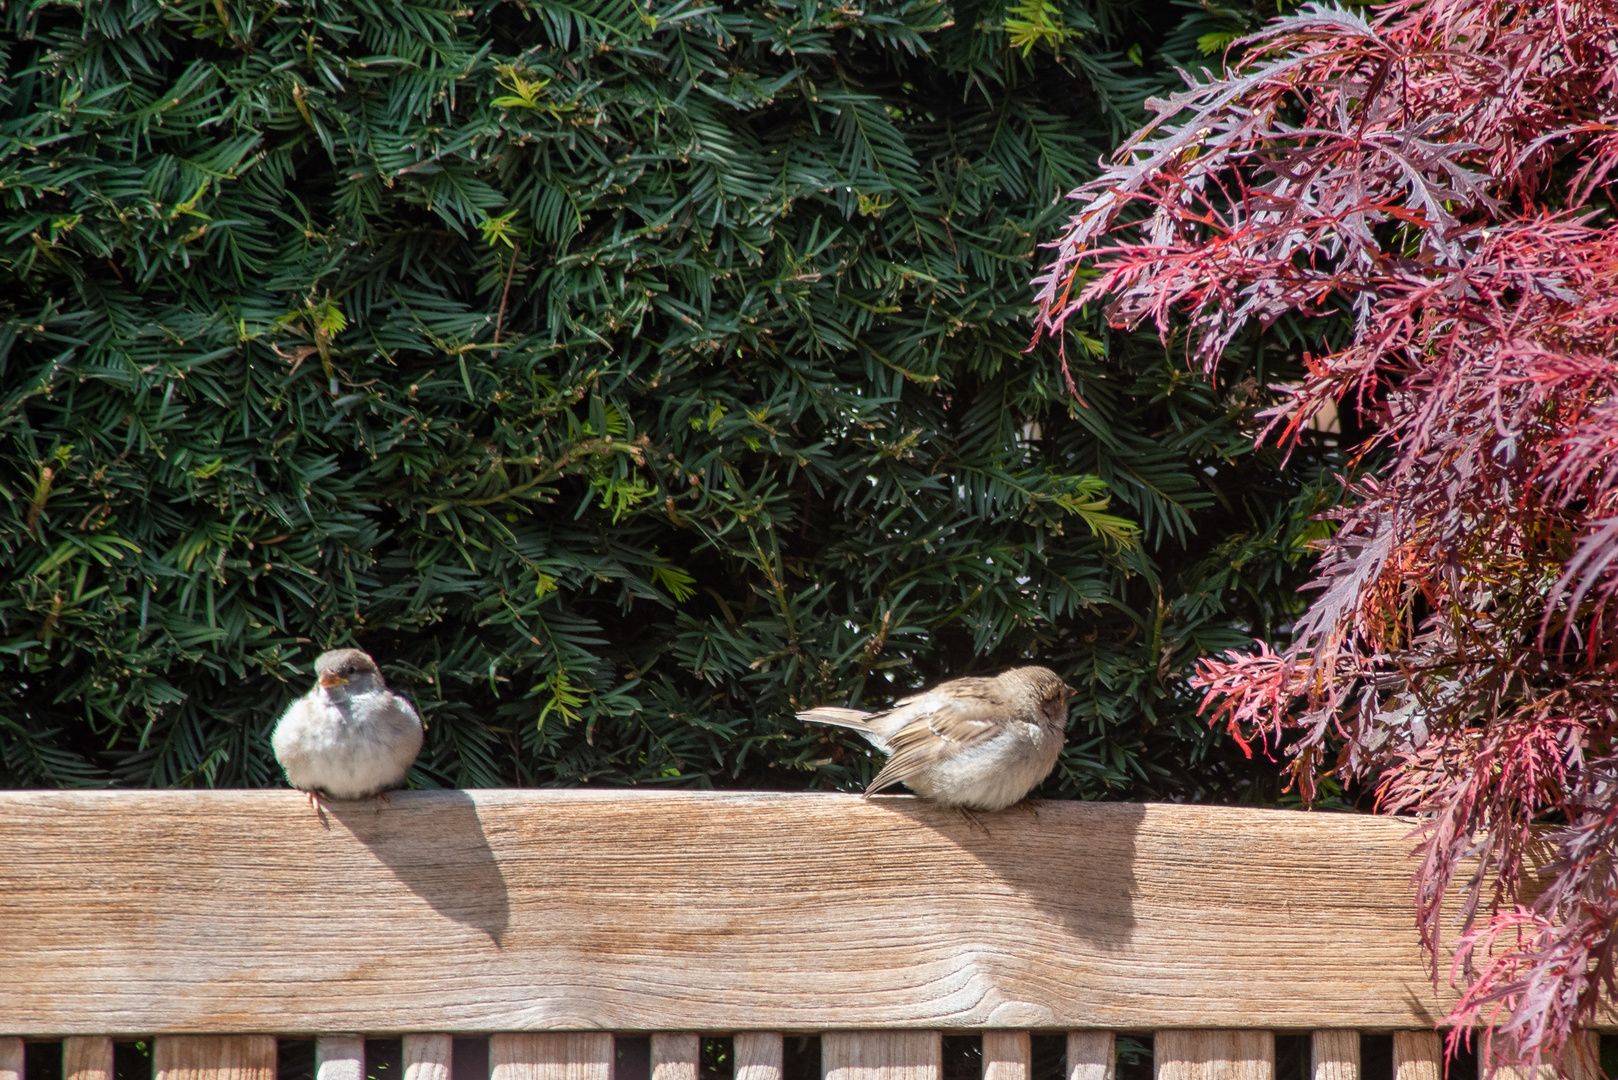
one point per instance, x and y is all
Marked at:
(317, 799)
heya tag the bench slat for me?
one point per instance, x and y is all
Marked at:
(428, 1057)
(1418, 1055)
(87, 1057)
(1091, 1055)
(758, 1054)
(466, 912)
(1214, 1055)
(215, 1057)
(577, 1055)
(340, 1057)
(1335, 1055)
(1007, 1055)
(881, 1055)
(676, 1055)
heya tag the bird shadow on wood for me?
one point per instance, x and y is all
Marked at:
(1073, 860)
(434, 844)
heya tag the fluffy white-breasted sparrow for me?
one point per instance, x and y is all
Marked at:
(973, 743)
(350, 736)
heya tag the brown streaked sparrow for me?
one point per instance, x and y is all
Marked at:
(972, 743)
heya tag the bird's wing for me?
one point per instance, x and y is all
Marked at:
(947, 720)
(402, 718)
(970, 687)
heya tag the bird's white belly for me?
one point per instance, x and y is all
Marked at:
(344, 756)
(992, 775)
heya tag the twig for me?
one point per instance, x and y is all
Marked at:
(500, 320)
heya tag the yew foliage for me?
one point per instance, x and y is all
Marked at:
(1434, 176)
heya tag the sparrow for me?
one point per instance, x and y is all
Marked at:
(972, 743)
(350, 736)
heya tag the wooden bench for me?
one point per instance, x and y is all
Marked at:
(547, 921)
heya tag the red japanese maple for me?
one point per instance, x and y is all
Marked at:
(1462, 653)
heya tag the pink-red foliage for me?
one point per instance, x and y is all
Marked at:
(1462, 651)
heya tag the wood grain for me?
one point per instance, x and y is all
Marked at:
(1581, 1062)
(1335, 1055)
(1213, 1055)
(1583, 1059)
(1007, 1055)
(676, 1055)
(1418, 1055)
(340, 1057)
(1091, 1055)
(214, 1057)
(881, 1055)
(551, 1056)
(758, 1055)
(467, 912)
(87, 1057)
(428, 1057)
(11, 1059)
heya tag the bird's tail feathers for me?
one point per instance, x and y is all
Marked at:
(831, 714)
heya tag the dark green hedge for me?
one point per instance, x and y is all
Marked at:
(622, 375)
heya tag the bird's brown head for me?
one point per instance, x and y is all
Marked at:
(1047, 688)
(342, 666)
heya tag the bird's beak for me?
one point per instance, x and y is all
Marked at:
(1070, 692)
(331, 679)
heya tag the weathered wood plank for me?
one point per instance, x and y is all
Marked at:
(1335, 1055)
(758, 1055)
(881, 1055)
(1091, 1055)
(1581, 1062)
(340, 1057)
(87, 1057)
(676, 1055)
(1214, 1055)
(1007, 1055)
(235, 911)
(428, 1057)
(1418, 1055)
(214, 1057)
(584, 1055)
